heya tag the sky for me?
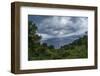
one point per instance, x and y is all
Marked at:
(59, 26)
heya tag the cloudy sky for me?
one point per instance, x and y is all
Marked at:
(59, 26)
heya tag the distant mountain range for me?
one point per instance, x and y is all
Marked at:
(58, 42)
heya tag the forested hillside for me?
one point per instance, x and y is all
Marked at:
(37, 51)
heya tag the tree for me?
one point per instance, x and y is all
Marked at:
(32, 36)
(33, 39)
(44, 44)
(51, 47)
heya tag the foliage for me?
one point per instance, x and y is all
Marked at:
(37, 51)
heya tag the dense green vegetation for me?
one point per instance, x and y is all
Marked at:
(37, 51)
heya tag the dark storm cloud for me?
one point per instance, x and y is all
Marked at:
(60, 26)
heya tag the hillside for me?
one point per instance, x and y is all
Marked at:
(77, 49)
(37, 51)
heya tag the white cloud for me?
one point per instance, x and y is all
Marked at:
(62, 26)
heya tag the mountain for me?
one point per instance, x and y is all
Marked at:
(58, 42)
